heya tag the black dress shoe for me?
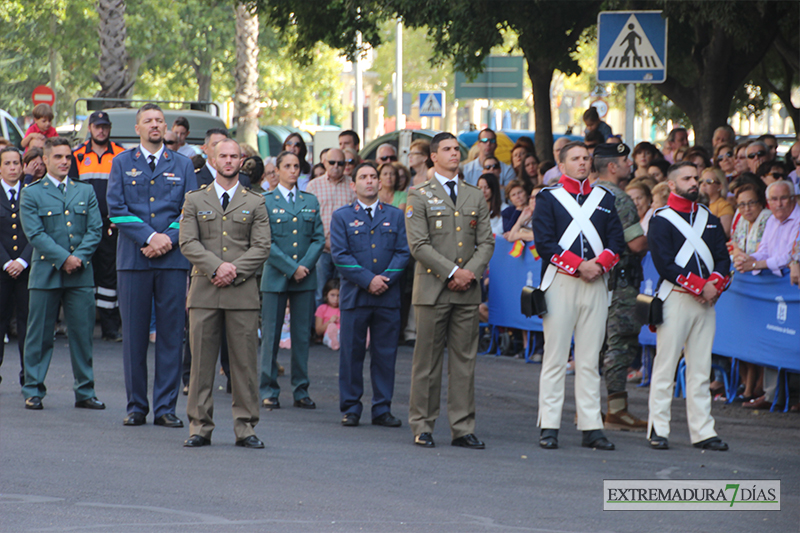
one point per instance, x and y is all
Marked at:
(228, 386)
(250, 442)
(388, 420)
(425, 440)
(91, 403)
(714, 444)
(34, 402)
(134, 419)
(658, 443)
(468, 441)
(305, 403)
(548, 439)
(185, 390)
(113, 337)
(350, 420)
(195, 441)
(168, 420)
(271, 403)
(595, 439)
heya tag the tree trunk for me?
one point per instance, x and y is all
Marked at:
(113, 77)
(541, 74)
(246, 97)
(202, 72)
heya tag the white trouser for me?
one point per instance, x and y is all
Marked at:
(688, 324)
(573, 306)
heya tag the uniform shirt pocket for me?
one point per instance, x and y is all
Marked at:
(388, 236)
(51, 218)
(175, 186)
(135, 189)
(242, 224)
(207, 222)
(358, 238)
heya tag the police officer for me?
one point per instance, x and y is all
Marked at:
(61, 219)
(225, 235)
(579, 237)
(450, 236)
(369, 247)
(297, 242)
(15, 254)
(92, 164)
(146, 190)
(622, 333)
(693, 272)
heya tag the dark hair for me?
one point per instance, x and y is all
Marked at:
(645, 147)
(305, 168)
(181, 121)
(198, 161)
(443, 136)
(764, 168)
(594, 136)
(282, 156)
(10, 150)
(522, 175)
(767, 136)
(679, 165)
(363, 164)
(591, 115)
(390, 165)
(52, 142)
(315, 167)
(755, 189)
(352, 134)
(698, 151)
(601, 162)
(494, 186)
(662, 165)
(330, 285)
(569, 146)
(215, 131)
(253, 167)
(407, 173)
(31, 154)
(148, 107)
(674, 132)
(484, 130)
(524, 140)
(544, 166)
(43, 111)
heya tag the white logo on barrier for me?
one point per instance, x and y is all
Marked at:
(783, 309)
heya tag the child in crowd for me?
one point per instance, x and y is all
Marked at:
(42, 126)
(327, 315)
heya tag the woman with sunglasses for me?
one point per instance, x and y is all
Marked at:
(295, 144)
(387, 192)
(714, 185)
(725, 161)
(351, 161)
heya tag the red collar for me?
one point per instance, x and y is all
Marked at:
(681, 204)
(574, 186)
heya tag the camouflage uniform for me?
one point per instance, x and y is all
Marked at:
(622, 334)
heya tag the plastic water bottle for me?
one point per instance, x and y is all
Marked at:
(529, 281)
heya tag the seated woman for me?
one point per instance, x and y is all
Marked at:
(518, 198)
(725, 161)
(714, 185)
(490, 187)
(522, 231)
(642, 198)
(388, 194)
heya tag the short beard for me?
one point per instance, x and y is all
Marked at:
(691, 196)
(100, 143)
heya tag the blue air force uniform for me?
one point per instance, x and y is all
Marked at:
(142, 202)
(363, 247)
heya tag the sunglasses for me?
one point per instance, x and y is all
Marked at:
(760, 153)
(169, 143)
(336, 163)
(777, 175)
(349, 161)
(292, 143)
(492, 167)
(485, 140)
(751, 203)
(389, 158)
(711, 182)
(720, 157)
(421, 154)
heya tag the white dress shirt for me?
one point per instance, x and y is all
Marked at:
(16, 188)
(220, 191)
(285, 192)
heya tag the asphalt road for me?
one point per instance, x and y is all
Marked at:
(67, 469)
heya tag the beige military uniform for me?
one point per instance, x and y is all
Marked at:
(442, 236)
(210, 236)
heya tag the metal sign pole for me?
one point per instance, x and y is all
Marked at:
(630, 113)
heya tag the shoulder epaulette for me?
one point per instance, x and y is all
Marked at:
(605, 188)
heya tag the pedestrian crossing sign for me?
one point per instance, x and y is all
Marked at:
(631, 47)
(431, 104)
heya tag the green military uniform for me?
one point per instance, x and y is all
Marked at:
(297, 239)
(209, 236)
(622, 334)
(59, 224)
(442, 236)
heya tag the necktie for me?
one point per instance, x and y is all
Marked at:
(152, 159)
(452, 185)
(13, 193)
(291, 197)
(369, 212)
(225, 200)
(61, 187)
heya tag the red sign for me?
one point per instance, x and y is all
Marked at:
(43, 95)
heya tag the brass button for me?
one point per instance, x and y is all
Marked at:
(226, 218)
(294, 257)
(461, 244)
(294, 219)
(356, 232)
(49, 213)
(42, 258)
(13, 215)
(66, 212)
(224, 232)
(294, 232)
(429, 270)
(224, 248)
(294, 244)
(204, 217)
(152, 215)
(223, 218)
(373, 246)
(372, 232)
(70, 235)
(13, 226)
(152, 182)
(456, 213)
(458, 228)
(71, 248)
(133, 182)
(374, 260)
(152, 199)
(460, 260)
(14, 237)
(69, 223)
(15, 248)
(473, 212)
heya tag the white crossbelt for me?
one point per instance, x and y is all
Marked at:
(694, 243)
(581, 223)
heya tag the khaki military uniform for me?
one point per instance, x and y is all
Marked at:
(442, 236)
(210, 236)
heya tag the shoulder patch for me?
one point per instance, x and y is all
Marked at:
(409, 211)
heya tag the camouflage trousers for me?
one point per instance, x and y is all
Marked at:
(622, 338)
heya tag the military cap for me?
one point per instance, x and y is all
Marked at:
(611, 150)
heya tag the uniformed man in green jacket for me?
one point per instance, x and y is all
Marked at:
(61, 220)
